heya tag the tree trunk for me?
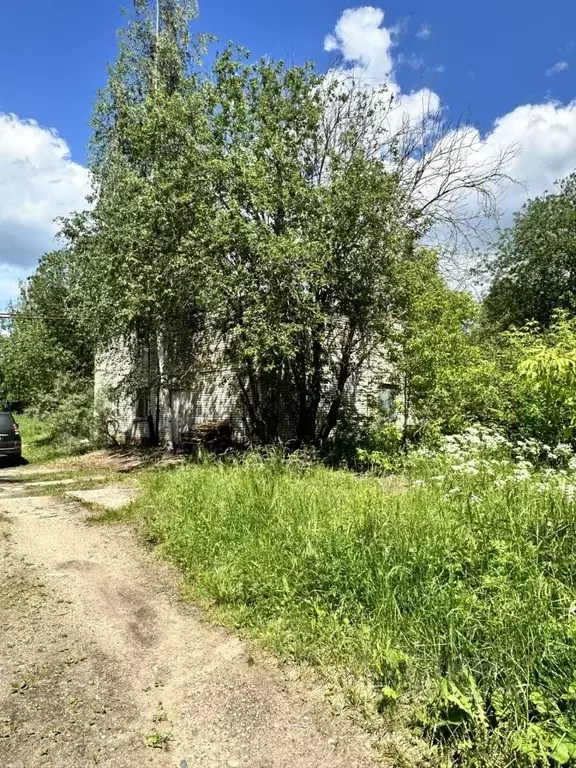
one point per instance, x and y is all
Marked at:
(261, 395)
(344, 372)
(405, 415)
(308, 388)
(336, 404)
(165, 394)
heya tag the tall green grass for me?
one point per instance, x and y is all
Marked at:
(40, 444)
(455, 607)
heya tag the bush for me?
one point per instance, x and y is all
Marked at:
(544, 403)
(67, 412)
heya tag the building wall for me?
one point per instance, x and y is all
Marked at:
(111, 401)
(213, 395)
(364, 390)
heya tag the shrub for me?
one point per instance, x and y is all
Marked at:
(68, 410)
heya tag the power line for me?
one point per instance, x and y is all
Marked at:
(25, 316)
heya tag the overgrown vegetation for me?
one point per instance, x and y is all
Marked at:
(533, 272)
(281, 214)
(277, 214)
(271, 212)
(41, 442)
(444, 601)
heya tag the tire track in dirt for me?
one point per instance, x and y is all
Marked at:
(101, 664)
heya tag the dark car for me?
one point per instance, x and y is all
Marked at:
(10, 440)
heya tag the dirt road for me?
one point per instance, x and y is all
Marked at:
(101, 664)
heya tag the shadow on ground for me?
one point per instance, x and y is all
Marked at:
(10, 463)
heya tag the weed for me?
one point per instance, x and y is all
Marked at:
(104, 516)
(21, 686)
(38, 443)
(158, 740)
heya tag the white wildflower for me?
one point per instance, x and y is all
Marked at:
(426, 452)
(521, 474)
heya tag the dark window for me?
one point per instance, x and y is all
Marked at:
(387, 401)
(142, 404)
(6, 422)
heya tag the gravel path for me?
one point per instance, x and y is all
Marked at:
(101, 664)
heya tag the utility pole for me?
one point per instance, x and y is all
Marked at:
(157, 51)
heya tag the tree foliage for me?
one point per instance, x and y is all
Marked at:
(534, 271)
(245, 205)
(271, 213)
(543, 389)
(302, 245)
(447, 376)
(47, 340)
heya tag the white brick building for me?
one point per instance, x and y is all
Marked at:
(212, 397)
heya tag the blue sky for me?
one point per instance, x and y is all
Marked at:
(499, 59)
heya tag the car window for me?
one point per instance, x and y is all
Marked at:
(6, 422)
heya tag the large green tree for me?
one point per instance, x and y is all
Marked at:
(264, 207)
(534, 271)
(47, 343)
(448, 376)
(246, 205)
(304, 241)
(138, 262)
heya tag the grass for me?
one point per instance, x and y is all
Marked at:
(158, 740)
(104, 516)
(450, 609)
(39, 445)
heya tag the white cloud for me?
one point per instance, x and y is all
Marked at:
(38, 183)
(542, 135)
(413, 60)
(424, 32)
(560, 66)
(365, 47)
(363, 42)
(545, 135)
